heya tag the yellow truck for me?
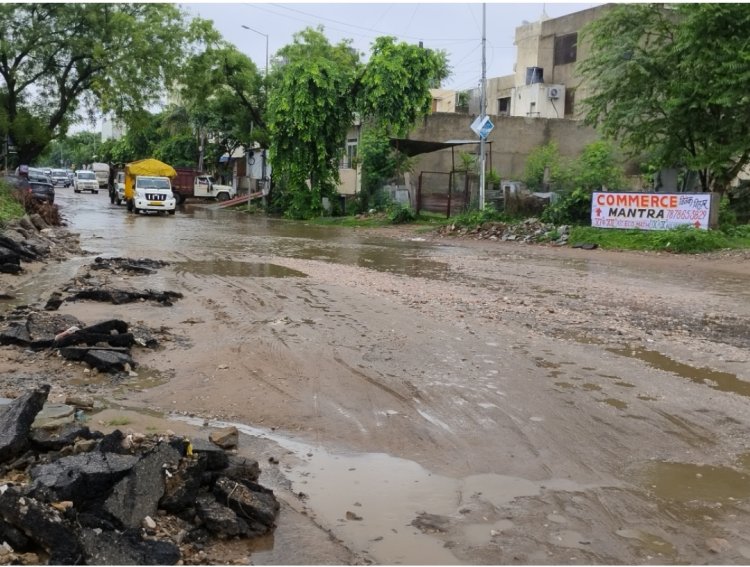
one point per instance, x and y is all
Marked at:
(148, 186)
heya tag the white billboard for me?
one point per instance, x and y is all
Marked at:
(650, 211)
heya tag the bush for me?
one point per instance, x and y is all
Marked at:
(401, 215)
(727, 216)
(573, 208)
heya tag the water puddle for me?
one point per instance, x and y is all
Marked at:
(615, 403)
(722, 381)
(688, 482)
(237, 269)
(50, 277)
(369, 500)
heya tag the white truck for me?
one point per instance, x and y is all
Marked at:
(101, 170)
(153, 194)
(194, 183)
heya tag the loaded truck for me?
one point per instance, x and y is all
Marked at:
(101, 170)
(194, 183)
(148, 186)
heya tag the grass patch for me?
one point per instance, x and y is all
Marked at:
(118, 421)
(683, 240)
(10, 206)
(379, 220)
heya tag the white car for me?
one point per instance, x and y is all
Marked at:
(85, 180)
(153, 194)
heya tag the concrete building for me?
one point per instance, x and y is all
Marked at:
(112, 129)
(444, 100)
(544, 83)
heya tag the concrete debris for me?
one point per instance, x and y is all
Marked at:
(133, 499)
(531, 230)
(225, 438)
(31, 239)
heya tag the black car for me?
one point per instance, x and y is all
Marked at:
(44, 192)
(39, 190)
(20, 185)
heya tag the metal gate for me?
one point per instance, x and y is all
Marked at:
(448, 193)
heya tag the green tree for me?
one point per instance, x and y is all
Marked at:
(313, 96)
(545, 158)
(57, 59)
(310, 109)
(672, 82)
(597, 167)
(224, 98)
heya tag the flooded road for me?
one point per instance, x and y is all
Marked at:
(437, 401)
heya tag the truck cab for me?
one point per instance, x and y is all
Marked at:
(205, 186)
(117, 191)
(191, 183)
(153, 193)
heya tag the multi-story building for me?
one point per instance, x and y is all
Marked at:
(544, 83)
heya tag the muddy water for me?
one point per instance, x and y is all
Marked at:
(509, 443)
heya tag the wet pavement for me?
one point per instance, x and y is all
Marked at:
(448, 402)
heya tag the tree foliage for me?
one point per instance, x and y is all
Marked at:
(310, 108)
(315, 92)
(673, 82)
(57, 59)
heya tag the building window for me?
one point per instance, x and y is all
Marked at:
(532, 109)
(503, 106)
(566, 49)
(351, 153)
(570, 102)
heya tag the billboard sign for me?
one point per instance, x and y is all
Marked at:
(650, 211)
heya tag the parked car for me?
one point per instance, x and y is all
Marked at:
(39, 175)
(85, 181)
(39, 190)
(17, 183)
(60, 178)
(43, 192)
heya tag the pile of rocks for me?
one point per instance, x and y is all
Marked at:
(31, 239)
(531, 230)
(72, 496)
(104, 345)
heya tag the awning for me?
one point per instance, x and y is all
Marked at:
(416, 147)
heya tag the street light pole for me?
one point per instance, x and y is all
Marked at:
(265, 73)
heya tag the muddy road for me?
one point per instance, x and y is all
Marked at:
(440, 401)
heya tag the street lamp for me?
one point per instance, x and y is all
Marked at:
(266, 36)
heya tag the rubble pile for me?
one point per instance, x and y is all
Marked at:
(72, 496)
(31, 239)
(531, 230)
(92, 287)
(105, 345)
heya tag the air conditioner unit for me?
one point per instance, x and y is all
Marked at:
(553, 92)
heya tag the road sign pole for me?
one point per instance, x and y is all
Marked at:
(483, 104)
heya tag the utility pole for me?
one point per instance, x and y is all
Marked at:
(483, 105)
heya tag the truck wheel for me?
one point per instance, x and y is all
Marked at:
(222, 196)
(171, 212)
(178, 199)
(96, 192)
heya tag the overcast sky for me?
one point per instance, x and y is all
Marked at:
(454, 27)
